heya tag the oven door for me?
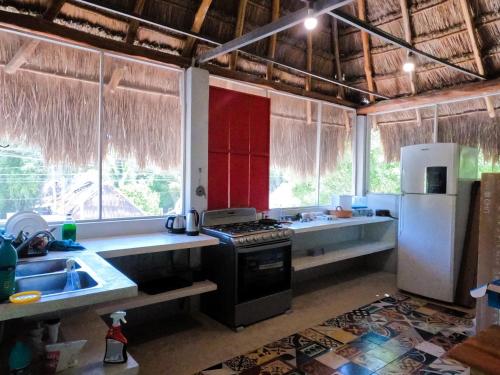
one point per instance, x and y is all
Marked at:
(263, 270)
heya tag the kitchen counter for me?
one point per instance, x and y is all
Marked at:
(317, 225)
(118, 246)
(114, 285)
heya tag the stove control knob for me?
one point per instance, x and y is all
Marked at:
(275, 234)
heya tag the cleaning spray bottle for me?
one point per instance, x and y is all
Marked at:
(116, 342)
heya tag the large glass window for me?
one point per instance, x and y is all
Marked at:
(298, 167)
(56, 143)
(336, 174)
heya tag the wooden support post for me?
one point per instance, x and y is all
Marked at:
(271, 47)
(365, 39)
(240, 22)
(199, 18)
(474, 41)
(405, 13)
(336, 54)
(27, 49)
(308, 83)
(133, 26)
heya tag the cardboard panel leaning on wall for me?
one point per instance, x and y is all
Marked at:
(489, 245)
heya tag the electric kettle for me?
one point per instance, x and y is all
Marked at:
(176, 224)
(193, 221)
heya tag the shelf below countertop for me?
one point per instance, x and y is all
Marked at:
(144, 299)
(317, 225)
(118, 246)
(342, 251)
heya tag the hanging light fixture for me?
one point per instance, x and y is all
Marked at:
(310, 22)
(410, 63)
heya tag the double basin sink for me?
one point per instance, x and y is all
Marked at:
(49, 276)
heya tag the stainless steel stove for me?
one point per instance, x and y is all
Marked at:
(251, 267)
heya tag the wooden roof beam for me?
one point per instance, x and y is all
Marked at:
(336, 53)
(467, 91)
(199, 18)
(308, 79)
(240, 23)
(26, 50)
(133, 26)
(474, 41)
(273, 39)
(365, 39)
(119, 73)
(405, 13)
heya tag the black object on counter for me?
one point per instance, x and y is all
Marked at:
(384, 213)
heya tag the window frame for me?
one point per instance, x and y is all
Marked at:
(100, 125)
(317, 166)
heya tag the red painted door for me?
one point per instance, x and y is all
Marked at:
(238, 148)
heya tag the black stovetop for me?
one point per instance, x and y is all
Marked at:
(244, 228)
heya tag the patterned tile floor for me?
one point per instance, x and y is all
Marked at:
(396, 335)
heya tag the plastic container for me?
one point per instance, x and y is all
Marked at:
(20, 359)
(68, 229)
(116, 342)
(8, 261)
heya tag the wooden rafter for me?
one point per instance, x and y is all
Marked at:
(199, 18)
(240, 23)
(336, 53)
(474, 41)
(133, 26)
(308, 79)
(119, 73)
(463, 92)
(405, 12)
(26, 50)
(271, 47)
(365, 39)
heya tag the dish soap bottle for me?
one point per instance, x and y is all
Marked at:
(69, 228)
(8, 261)
(116, 342)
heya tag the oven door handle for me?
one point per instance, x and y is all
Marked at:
(275, 245)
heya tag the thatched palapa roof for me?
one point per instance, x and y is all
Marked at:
(437, 27)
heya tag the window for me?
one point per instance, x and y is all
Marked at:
(56, 144)
(301, 174)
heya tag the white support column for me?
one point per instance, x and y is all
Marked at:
(360, 155)
(196, 139)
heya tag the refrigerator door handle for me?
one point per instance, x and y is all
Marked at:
(401, 216)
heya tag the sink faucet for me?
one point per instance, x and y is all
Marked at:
(29, 248)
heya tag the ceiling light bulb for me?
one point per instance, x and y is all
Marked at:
(310, 23)
(409, 66)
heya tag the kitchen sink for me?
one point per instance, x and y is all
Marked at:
(54, 283)
(41, 267)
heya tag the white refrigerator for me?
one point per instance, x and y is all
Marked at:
(436, 181)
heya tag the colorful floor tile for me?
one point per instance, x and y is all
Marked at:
(395, 335)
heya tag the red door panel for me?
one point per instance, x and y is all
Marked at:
(238, 145)
(239, 181)
(218, 129)
(259, 182)
(239, 131)
(218, 179)
(260, 118)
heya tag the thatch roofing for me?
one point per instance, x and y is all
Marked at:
(53, 100)
(437, 27)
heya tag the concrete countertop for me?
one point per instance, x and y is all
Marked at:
(114, 285)
(320, 224)
(118, 246)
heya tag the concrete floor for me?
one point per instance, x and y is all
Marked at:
(193, 342)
